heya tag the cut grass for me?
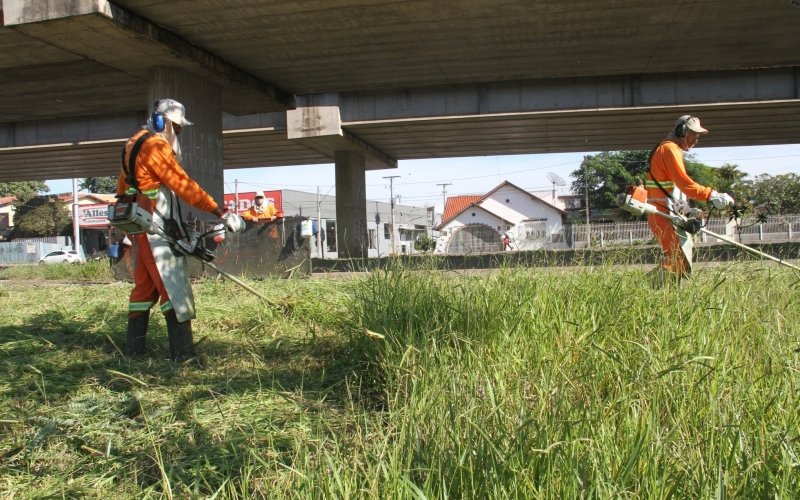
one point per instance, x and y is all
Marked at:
(519, 383)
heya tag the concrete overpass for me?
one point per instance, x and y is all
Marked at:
(365, 83)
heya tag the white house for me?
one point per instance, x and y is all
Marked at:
(476, 223)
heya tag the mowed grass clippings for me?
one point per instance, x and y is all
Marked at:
(518, 383)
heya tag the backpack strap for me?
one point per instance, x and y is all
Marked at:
(129, 167)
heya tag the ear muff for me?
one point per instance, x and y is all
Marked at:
(159, 122)
(682, 128)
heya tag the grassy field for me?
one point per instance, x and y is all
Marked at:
(519, 383)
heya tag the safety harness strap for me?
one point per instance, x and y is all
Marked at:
(650, 171)
(129, 167)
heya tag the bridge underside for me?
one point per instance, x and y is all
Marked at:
(741, 108)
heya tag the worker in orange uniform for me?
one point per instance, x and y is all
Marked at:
(260, 210)
(152, 176)
(668, 187)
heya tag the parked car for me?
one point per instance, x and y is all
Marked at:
(60, 256)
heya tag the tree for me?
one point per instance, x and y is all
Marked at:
(778, 195)
(733, 181)
(41, 216)
(106, 185)
(609, 173)
(24, 191)
(424, 243)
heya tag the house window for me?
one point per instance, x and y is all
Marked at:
(534, 230)
(473, 214)
(386, 234)
(371, 238)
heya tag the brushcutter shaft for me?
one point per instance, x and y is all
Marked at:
(749, 249)
(216, 268)
(636, 206)
(239, 282)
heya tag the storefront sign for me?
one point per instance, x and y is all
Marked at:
(94, 215)
(246, 200)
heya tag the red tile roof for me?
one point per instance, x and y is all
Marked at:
(455, 204)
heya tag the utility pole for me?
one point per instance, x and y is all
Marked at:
(444, 196)
(586, 185)
(391, 213)
(236, 195)
(319, 226)
(76, 223)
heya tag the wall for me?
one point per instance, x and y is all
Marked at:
(27, 252)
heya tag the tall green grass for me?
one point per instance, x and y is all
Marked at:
(94, 270)
(517, 383)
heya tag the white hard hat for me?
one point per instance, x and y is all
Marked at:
(259, 194)
(174, 111)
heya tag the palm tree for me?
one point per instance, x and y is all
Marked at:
(730, 179)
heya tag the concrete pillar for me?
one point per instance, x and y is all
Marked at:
(201, 143)
(351, 205)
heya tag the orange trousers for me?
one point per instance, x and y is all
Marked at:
(148, 287)
(674, 259)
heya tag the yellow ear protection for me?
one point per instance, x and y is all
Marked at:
(682, 128)
(158, 120)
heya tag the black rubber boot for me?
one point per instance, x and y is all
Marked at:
(137, 332)
(181, 345)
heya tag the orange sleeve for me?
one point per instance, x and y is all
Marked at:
(249, 215)
(162, 163)
(672, 166)
(122, 185)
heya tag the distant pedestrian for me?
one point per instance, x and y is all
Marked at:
(506, 242)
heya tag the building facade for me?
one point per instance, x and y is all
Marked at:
(474, 224)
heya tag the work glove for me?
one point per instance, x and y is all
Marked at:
(233, 222)
(720, 200)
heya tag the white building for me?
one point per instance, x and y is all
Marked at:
(475, 223)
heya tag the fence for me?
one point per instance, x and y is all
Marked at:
(748, 230)
(27, 252)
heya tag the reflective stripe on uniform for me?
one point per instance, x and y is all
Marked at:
(140, 306)
(664, 184)
(150, 193)
(166, 306)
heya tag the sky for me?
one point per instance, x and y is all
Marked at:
(419, 181)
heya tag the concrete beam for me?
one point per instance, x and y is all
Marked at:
(91, 28)
(70, 130)
(316, 122)
(626, 91)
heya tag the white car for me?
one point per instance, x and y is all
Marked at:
(60, 256)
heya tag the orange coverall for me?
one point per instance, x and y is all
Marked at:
(156, 166)
(666, 167)
(269, 213)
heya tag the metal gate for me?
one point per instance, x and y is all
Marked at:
(474, 238)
